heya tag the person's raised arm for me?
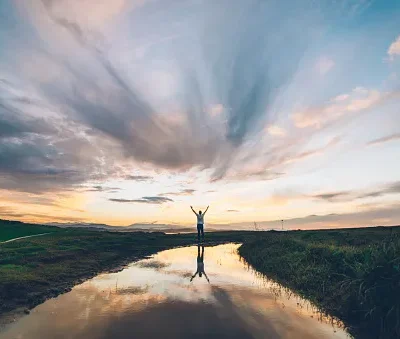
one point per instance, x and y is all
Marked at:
(206, 210)
(193, 210)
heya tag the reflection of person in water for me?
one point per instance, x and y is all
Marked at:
(200, 264)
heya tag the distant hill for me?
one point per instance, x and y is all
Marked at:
(137, 227)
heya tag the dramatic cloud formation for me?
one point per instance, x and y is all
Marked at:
(92, 89)
(141, 97)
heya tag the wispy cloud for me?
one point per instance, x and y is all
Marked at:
(392, 137)
(341, 196)
(331, 196)
(183, 192)
(9, 212)
(99, 188)
(139, 178)
(276, 130)
(360, 99)
(144, 200)
(372, 216)
(106, 98)
(314, 152)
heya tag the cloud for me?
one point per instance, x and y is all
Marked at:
(394, 49)
(275, 130)
(373, 216)
(216, 110)
(324, 65)
(83, 108)
(392, 137)
(182, 192)
(393, 188)
(251, 174)
(360, 99)
(8, 212)
(342, 196)
(107, 96)
(316, 151)
(144, 200)
(232, 211)
(101, 12)
(99, 188)
(331, 196)
(139, 177)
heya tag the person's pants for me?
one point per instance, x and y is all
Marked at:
(200, 229)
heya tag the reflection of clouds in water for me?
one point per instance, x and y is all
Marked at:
(153, 264)
(281, 292)
(155, 297)
(182, 274)
(132, 290)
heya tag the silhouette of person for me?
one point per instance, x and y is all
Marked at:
(200, 264)
(200, 223)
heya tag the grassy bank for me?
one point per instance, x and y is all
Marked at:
(34, 269)
(353, 274)
(14, 229)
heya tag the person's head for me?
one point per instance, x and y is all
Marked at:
(200, 274)
(200, 212)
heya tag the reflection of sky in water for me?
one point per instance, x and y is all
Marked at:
(154, 297)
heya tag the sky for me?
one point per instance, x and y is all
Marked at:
(131, 111)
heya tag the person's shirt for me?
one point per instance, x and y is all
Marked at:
(200, 266)
(200, 219)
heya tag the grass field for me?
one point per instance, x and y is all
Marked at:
(353, 274)
(12, 229)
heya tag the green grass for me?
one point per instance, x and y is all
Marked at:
(353, 274)
(14, 229)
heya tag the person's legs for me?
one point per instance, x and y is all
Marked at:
(202, 232)
(198, 233)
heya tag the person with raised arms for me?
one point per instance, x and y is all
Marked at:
(200, 222)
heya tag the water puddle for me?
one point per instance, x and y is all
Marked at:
(169, 296)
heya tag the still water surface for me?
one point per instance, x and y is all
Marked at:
(160, 298)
